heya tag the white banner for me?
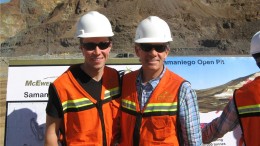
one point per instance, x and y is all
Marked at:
(213, 78)
(31, 83)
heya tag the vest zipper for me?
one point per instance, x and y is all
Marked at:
(101, 116)
(136, 135)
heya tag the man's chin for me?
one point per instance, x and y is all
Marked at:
(152, 67)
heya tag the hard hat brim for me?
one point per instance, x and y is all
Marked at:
(92, 35)
(152, 40)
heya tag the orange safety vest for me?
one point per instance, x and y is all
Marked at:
(247, 100)
(86, 121)
(156, 123)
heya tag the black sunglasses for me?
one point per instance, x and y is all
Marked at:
(157, 47)
(92, 46)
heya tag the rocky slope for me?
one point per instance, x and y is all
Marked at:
(216, 98)
(199, 27)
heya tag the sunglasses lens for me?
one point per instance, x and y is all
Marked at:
(160, 48)
(89, 46)
(149, 47)
(103, 45)
(92, 46)
(145, 47)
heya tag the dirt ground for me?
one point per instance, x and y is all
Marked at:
(3, 84)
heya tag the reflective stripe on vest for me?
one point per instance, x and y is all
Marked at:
(112, 92)
(84, 103)
(161, 107)
(76, 104)
(251, 109)
(151, 107)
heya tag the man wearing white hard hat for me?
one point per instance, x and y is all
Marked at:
(242, 110)
(158, 106)
(83, 102)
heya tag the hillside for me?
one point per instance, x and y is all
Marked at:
(216, 98)
(199, 27)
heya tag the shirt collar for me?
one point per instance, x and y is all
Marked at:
(152, 82)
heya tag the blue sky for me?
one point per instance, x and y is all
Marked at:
(4, 1)
(207, 72)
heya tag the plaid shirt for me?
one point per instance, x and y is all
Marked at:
(189, 112)
(217, 128)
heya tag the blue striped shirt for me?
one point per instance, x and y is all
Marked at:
(189, 112)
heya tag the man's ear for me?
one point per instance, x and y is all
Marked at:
(110, 46)
(137, 50)
(81, 49)
(167, 51)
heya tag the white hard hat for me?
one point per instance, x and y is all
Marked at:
(153, 29)
(255, 44)
(94, 24)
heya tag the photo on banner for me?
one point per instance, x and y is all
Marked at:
(25, 124)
